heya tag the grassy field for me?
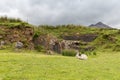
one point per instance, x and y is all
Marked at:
(31, 66)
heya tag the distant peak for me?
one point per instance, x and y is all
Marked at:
(100, 25)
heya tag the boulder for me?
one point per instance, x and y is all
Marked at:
(19, 45)
(2, 43)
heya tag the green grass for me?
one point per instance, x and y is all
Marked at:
(29, 66)
(70, 29)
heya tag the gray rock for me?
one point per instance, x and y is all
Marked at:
(2, 43)
(19, 45)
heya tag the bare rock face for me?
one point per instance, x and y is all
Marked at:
(71, 44)
(84, 37)
(18, 33)
(23, 36)
(49, 42)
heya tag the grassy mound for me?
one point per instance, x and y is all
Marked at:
(69, 52)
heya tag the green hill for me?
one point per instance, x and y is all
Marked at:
(49, 38)
(99, 38)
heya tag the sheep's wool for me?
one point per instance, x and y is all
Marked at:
(82, 56)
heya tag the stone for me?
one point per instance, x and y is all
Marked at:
(2, 43)
(83, 37)
(19, 45)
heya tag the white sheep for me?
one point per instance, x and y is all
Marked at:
(81, 56)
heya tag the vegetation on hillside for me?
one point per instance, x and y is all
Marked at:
(72, 29)
(106, 38)
(30, 63)
(10, 22)
(5, 19)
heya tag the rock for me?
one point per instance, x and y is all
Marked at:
(17, 33)
(49, 52)
(49, 42)
(82, 37)
(2, 43)
(1, 37)
(19, 45)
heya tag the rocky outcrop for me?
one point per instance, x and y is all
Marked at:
(71, 44)
(84, 37)
(49, 42)
(27, 38)
(18, 33)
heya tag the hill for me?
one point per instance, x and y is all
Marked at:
(50, 39)
(82, 38)
(99, 25)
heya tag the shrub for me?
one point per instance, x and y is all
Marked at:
(2, 47)
(105, 36)
(89, 52)
(94, 53)
(36, 35)
(70, 52)
(39, 48)
(116, 47)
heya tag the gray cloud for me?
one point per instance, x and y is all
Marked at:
(55, 12)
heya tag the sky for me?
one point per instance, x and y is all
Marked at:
(56, 12)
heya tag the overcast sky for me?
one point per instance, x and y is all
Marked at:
(54, 12)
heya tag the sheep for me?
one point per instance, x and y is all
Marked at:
(81, 56)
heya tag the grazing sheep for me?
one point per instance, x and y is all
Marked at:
(81, 56)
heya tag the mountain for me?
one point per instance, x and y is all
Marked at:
(99, 25)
